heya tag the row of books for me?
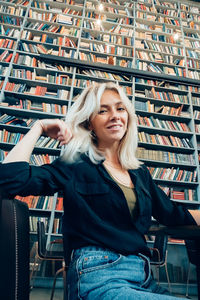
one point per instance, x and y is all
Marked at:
(61, 29)
(47, 142)
(10, 137)
(162, 84)
(56, 78)
(11, 32)
(7, 43)
(36, 62)
(50, 6)
(166, 96)
(163, 124)
(161, 109)
(107, 38)
(3, 70)
(165, 156)
(162, 69)
(122, 10)
(37, 91)
(104, 75)
(45, 38)
(38, 202)
(170, 141)
(197, 114)
(14, 138)
(42, 202)
(197, 128)
(160, 57)
(40, 106)
(11, 20)
(42, 49)
(192, 64)
(157, 37)
(82, 83)
(107, 49)
(174, 174)
(64, 79)
(41, 159)
(152, 45)
(9, 119)
(194, 74)
(13, 10)
(6, 56)
(186, 194)
(36, 160)
(112, 60)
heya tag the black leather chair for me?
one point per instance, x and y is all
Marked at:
(14, 241)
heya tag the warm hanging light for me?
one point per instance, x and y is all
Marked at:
(176, 36)
(101, 7)
(98, 21)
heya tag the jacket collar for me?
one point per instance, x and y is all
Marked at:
(85, 157)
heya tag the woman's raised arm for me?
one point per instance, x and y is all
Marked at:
(54, 128)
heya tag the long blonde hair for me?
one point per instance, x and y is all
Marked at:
(88, 104)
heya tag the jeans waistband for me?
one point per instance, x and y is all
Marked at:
(79, 251)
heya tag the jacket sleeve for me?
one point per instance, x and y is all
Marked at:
(164, 210)
(20, 178)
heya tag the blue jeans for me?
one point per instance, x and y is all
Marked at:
(99, 274)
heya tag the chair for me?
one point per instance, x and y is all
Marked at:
(14, 241)
(49, 254)
(191, 252)
(159, 256)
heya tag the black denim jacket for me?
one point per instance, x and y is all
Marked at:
(95, 209)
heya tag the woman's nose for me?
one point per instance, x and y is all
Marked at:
(115, 115)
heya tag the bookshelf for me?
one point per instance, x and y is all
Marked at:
(55, 49)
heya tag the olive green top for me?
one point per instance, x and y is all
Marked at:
(130, 196)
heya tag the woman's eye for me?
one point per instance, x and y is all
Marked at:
(102, 111)
(121, 108)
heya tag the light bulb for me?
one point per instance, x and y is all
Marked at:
(176, 36)
(99, 22)
(101, 6)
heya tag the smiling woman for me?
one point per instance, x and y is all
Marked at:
(109, 196)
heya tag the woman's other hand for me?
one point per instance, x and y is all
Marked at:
(56, 129)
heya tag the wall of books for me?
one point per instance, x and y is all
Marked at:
(51, 50)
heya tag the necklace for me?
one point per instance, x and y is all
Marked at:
(118, 168)
(120, 181)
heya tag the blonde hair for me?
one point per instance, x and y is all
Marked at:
(88, 104)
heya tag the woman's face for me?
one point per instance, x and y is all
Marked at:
(110, 124)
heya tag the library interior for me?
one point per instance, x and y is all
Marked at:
(51, 51)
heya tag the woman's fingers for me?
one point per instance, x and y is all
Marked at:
(56, 129)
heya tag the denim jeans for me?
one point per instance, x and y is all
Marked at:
(99, 274)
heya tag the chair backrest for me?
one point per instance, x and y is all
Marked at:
(43, 252)
(41, 239)
(14, 250)
(159, 249)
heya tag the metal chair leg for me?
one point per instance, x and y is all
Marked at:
(54, 282)
(187, 284)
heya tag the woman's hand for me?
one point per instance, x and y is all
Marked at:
(56, 129)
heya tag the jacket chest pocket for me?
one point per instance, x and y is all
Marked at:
(93, 193)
